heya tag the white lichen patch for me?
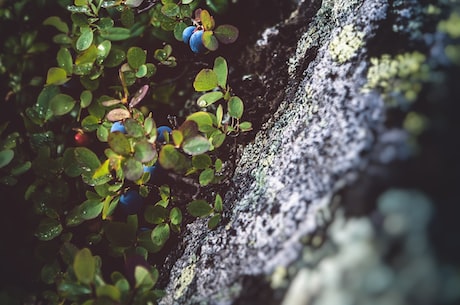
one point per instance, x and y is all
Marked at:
(345, 45)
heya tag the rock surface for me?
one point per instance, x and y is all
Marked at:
(287, 238)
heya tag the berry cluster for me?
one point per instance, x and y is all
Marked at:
(193, 36)
(131, 202)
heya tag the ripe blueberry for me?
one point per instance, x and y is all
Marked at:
(188, 31)
(131, 202)
(196, 43)
(118, 126)
(161, 133)
(150, 169)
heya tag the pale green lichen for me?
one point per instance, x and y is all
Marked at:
(343, 47)
(399, 76)
(185, 279)
(451, 26)
(415, 123)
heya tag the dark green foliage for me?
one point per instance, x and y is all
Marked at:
(100, 180)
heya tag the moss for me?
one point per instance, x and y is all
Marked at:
(343, 47)
(397, 77)
(184, 281)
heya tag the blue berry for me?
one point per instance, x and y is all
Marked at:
(118, 126)
(188, 31)
(131, 202)
(150, 169)
(196, 43)
(161, 133)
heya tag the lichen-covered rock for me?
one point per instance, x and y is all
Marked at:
(330, 125)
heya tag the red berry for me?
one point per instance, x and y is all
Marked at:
(81, 139)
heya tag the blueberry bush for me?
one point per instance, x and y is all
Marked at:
(101, 155)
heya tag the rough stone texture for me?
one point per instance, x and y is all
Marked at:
(325, 131)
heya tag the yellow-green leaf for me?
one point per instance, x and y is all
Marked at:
(56, 76)
(84, 266)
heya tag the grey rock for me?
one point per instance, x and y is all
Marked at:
(323, 134)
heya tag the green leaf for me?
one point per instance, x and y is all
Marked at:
(127, 18)
(175, 216)
(103, 171)
(210, 41)
(178, 29)
(91, 208)
(199, 208)
(90, 123)
(221, 70)
(115, 33)
(170, 9)
(81, 2)
(214, 221)
(143, 278)
(202, 118)
(132, 169)
(85, 40)
(84, 266)
(142, 71)
(105, 22)
(235, 107)
(64, 60)
(133, 128)
(62, 104)
(20, 169)
(57, 23)
(87, 57)
(219, 115)
(171, 158)
(205, 80)
(62, 39)
(48, 229)
(71, 167)
(86, 158)
(85, 98)
(115, 58)
(136, 57)
(119, 143)
(218, 165)
(56, 76)
(206, 176)
(155, 214)
(177, 137)
(245, 126)
(226, 33)
(6, 156)
(202, 161)
(160, 235)
(209, 98)
(207, 20)
(218, 206)
(103, 50)
(196, 145)
(144, 151)
(109, 291)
